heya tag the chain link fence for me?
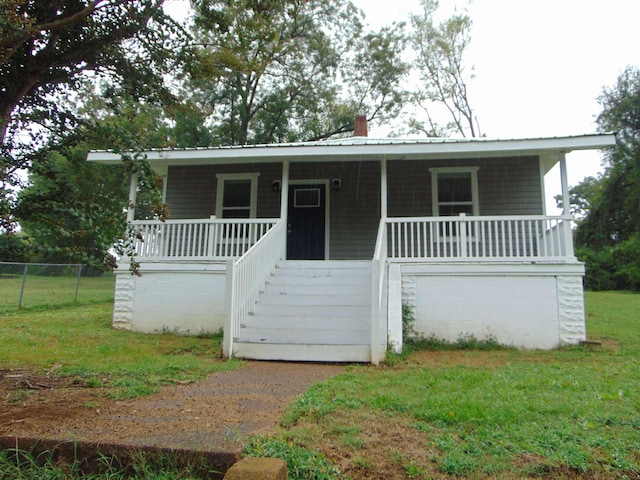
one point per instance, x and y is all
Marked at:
(28, 285)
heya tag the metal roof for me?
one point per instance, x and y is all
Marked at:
(366, 148)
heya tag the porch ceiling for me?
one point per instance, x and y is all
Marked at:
(364, 148)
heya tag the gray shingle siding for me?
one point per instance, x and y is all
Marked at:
(507, 186)
(191, 189)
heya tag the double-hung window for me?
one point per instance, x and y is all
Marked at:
(454, 191)
(237, 195)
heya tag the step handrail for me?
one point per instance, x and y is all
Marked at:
(246, 277)
(378, 269)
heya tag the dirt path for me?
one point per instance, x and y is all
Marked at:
(210, 415)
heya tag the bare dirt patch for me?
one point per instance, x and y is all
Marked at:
(465, 358)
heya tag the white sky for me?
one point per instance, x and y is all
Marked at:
(539, 64)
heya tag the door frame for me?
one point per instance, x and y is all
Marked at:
(327, 184)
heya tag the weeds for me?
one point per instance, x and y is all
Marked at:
(301, 462)
(16, 464)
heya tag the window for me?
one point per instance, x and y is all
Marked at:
(306, 197)
(237, 195)
(454, 191)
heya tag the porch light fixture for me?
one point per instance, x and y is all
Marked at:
(336, 184)
(276, 186)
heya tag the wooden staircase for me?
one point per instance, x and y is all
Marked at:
(311, 311)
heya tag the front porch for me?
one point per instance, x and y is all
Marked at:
(271, 308)
(407, 239)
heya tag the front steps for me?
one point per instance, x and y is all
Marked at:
(311, 311)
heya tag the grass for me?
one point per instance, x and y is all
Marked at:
(484, 411)
(79, 341)
(22, 465)
(468, 411)
(44, 293)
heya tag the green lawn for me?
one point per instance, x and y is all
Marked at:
(443, 413)
(435, 412)
(42, 292)
(78, 340)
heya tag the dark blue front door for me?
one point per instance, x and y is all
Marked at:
(306, 222)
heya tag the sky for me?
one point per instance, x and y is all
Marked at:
(539, 64)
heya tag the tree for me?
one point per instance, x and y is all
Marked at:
(291, 70)
(47, 47)
(614, 216)
(440, 49)
(608, 239)
(72, 209)
(583, 196)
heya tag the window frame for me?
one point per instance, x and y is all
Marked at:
(435, 174)
(253, 200)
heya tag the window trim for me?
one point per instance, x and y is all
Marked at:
(223, 177)
(436, 171)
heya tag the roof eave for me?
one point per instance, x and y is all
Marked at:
(393, 150)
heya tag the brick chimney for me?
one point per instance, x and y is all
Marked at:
(361, 126)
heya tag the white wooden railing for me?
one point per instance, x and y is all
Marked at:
(480, 238)
(378, 290)
(246, 276)
(197, 239)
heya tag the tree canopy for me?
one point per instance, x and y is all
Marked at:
(609, 235)
(439, 48)
(73, 209)
(45, 50)
(291, 70)
(120, 74)
(614, 214)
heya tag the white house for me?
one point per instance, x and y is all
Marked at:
(309, 251)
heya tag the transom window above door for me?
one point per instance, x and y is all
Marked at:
(237, 195)
(454, 191)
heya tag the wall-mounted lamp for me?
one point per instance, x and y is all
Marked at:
(336, 184)
(276, 185)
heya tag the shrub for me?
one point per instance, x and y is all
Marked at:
(626, 259)
(612, 268)
(599, 268)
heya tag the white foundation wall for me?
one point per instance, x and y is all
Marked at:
(526, 306)
(181, 298)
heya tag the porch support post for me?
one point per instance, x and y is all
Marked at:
(383, 188)
(133, 190)
(566, 207)
(565, 186)
(284, 189)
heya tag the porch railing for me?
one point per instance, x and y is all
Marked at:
(197, 239)
(378, 277)
(246, 276)
(480, 238)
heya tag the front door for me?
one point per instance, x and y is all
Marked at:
(306, 222)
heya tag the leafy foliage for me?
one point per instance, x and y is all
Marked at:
(14, 247)
(440, 49)
(615, 213)
(72, 210)
(291, 70)
(609, 235)
(45, 50)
